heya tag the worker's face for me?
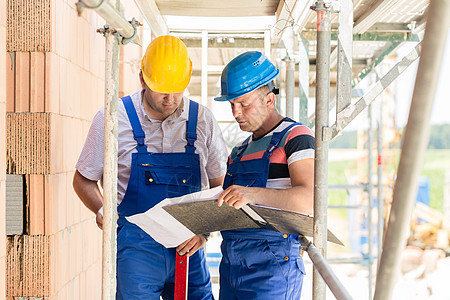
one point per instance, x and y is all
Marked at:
(160, 105)
(250, 111)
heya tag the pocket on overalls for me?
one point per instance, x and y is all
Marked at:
(244, 179)
(178, 183)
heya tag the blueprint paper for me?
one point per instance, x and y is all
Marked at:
(164, 228)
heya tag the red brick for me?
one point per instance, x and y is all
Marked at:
(83, 286)
(70, 204)
(62, 260)
(73, 198)
(36, 202)
(56, 144)
(52, 84)
(79, 236)
(2, 282)
(2, 222)
(53, 239)
(37, 82)
(59, 27)
(80, 40)
(51, 216)
(22, 82)
(71, 253)
(55, 203)
(61, 202)
(86, 52)
(10, 86)
(65, 89)
(76, 90)
(2, 157)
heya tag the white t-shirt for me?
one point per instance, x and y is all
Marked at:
(166, 136)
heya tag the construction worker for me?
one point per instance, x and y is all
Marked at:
(273, 167)
(168, 146)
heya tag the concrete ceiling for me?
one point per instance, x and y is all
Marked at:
(217, 8)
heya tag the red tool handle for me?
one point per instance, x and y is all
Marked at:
(181, 277)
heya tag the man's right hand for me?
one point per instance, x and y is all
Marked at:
(99, 220)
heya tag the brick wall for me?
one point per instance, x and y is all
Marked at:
(3, 59)
(51, 98)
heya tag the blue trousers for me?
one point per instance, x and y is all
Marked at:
(263, 265)
(146, 269)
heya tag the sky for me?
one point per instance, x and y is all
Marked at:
(441, 106)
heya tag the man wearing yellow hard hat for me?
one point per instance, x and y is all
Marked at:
(168, 146)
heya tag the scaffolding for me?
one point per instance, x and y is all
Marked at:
(414, 144)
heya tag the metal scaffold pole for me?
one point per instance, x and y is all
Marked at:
(290, 72)
(303, 80)
(204, 84)
(321, 146)
(118, 31)
(380, 202)
(414, 145)
(110, 167)
(369, 203)
(324, 269)
(111, 15)
(290, 87)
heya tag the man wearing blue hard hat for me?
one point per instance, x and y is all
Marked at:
(273, 167)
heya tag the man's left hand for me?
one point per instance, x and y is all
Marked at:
(237, 196)
(189, 247)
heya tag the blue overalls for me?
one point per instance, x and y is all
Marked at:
(258, 263)
(145, 268)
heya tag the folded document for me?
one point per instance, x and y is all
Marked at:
(175, 220)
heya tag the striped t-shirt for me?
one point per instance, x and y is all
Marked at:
(297, 144)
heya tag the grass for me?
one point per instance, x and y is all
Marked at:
(436, 163)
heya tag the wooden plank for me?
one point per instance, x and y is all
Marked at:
(37, 82)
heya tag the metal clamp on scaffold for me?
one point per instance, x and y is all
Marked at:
(106, 30)
(332, 6)
(135, 24)
(80, 5)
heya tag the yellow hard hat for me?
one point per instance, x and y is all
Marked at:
(166, 66)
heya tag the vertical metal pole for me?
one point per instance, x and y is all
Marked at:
(344, 56)
(290, 87)
(369, 205)
(267, 48)
(205, 69)
(303, 80)
(321, 146)
(289, 42)
(280, 85)
(414, 144)
(110, 168)
(380, 202)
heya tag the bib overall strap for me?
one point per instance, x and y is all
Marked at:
(191, 127)
(276, 138)
(240, 150)
(138, 133)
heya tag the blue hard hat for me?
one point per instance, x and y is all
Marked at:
(245, 73)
